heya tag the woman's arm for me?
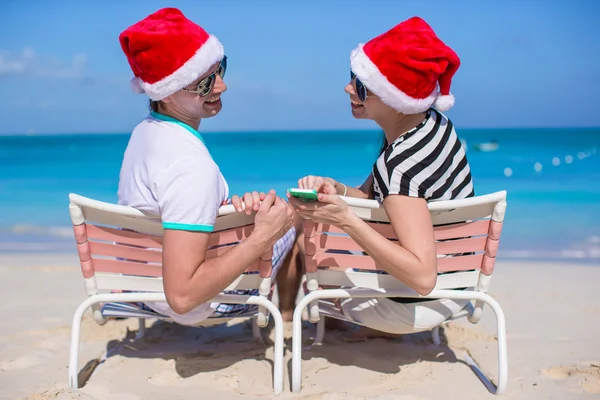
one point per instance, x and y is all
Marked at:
(412, 259)
(331, 186)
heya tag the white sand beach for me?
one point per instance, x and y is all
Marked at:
(552, 311)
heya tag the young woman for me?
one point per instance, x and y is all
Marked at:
(168, 171)
(394, 82)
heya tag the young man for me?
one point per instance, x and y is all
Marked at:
(168, 171)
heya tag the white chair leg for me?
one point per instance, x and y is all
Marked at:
(297, 349)
(435, 335)
(256, 332)
(320, 331)
(142, 328)
(502, 353)
(278, 342)
(74, 352)
(278, 355)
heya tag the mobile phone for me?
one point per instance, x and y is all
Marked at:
(305, 195)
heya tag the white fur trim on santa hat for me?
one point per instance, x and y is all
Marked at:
(210, 53)
(376, 82)
(135, 85)
(444, 102)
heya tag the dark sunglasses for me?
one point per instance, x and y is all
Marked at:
(205, 86)
(361, 90)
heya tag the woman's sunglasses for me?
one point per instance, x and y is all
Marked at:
(361, 90)
(205, 86)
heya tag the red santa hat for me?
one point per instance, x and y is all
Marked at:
(167, 51)
(405, 65)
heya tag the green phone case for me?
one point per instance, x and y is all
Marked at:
(304, 194)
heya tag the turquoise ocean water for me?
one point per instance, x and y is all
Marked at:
(552, 177)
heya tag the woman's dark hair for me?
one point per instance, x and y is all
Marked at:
(153, 105)
(384, 145)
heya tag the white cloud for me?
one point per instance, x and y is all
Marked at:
(28, 63)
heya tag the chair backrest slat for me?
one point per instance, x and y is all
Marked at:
(459, 263)
(231, 235)
(462, 229)
(107, 234)
(459, 246)
(441, 232)
(126, 252)
(337, 261)
(126, 267)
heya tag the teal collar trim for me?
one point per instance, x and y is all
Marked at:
(166, 118)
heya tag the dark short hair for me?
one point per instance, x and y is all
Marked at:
(153, 105)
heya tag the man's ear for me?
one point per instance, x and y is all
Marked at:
(168, 99)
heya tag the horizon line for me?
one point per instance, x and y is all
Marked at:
(290, 131)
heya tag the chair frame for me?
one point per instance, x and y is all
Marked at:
(449, 214)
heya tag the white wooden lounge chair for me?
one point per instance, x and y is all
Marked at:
(467, 232)
(120, 249)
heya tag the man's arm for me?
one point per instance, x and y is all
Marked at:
(190, 280)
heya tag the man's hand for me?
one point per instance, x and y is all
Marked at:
(273, 218)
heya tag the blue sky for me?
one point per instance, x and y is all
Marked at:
(524, 63)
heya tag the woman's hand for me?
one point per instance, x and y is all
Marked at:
(330, 209)
(318, 183)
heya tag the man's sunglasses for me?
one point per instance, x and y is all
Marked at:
(361, 90)
(205, 86)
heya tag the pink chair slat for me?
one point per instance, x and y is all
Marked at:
(383, 229)
(450, 247)
(495, 230)
(491, 248)
(461, 246)
(84, 251)
(126, 267)
(323, 228)
(487, 265)
(461, 230)
(123, 236)
(475, 228)
(130, 253)
(337, 242)
(87, 268)
(461, 263)
(80, 233)
(343, 261)
(230, 235)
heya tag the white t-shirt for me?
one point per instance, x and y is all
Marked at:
(168, 172)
